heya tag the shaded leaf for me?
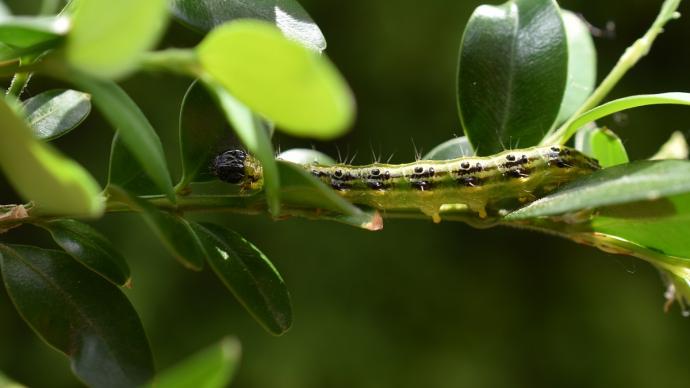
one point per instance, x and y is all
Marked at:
(134, 129)
(451, 149)
(108, 37)
(582, 66)
(55, 184)
(78, 313)
(636, 181)
(249, 275)
(201, 131)
(603, 145)
(25, 31)
(213, 367)
(124, 170)
(287, 15)
(174, 231)
(512, 74)
(250, 129)
(89, 247)
(55, 113)
(305, 156)
(299, 90)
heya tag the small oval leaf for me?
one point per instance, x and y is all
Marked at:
(55, 113)
(603, 145)
(451, 149)
(288, 15)
(512, 74)
(636, 181)
(305, 156)
(249, 275)
(89, 247)
(299, 90)
(24, 31)
(79, 313)
(124, 171)
(108, 37)
(212, 367)
(55, 184)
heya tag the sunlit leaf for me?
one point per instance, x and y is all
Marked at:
(299, 90)
(24, 31)
(675, 148)
(305, 156)
(451, 149)
(603, 145)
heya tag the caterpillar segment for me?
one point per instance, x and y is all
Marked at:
(485, 185)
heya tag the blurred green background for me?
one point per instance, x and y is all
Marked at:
(416, 304)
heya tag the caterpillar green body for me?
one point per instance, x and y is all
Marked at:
(485, 185)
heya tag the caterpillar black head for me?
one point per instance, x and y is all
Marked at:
(237, 167)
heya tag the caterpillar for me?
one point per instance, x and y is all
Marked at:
(485, 185)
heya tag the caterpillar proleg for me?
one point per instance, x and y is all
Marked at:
(485, 185)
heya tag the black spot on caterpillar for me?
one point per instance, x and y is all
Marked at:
(485, 185)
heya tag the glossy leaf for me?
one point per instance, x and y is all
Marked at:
(80, 314)
(582, 66)
(299, 90)
(250, 129)
(637, 181)
(5, 381)
(451, 149)
(89, 247)
(213, 367)
(603, 145)
(675, 148)
(202, 131)
(55, 113)
(287, 15)
(56, 185)
(174, 231)
(124, 171)
(512, 74)
(109, 37)
(24, 31)
(623, 104)
(134, 129)
(249, 275)
(305, 156)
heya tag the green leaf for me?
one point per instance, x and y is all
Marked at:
(636, 181)
(305, 156)
(287, 15)
(249, 275)
(451, 149)
(56, 185)
(25, 31)
(80, 314)
(662, 225)
(582, 66)
(250, 129)
(89, 247)
(623, 104)
(55, 113)
(5, 381)
(603, 145)
(675, 148)
(109, 37)
(213, 367)
(512, 74)
(124, 171)
(299, 90)
(134, 129)
(174, 231)
(202, 129)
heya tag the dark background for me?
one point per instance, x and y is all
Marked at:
(416, 304)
